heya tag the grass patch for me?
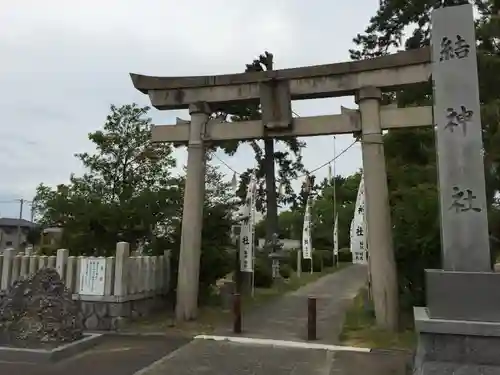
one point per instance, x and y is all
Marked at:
(211, 317)
(359, 329)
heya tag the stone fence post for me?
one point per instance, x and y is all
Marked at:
(8, 258)
(61, 262)
(121, 268)
(166, 267)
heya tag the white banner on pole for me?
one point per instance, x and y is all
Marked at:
(246, 256)
(358, 228)
(336, 236)
(247, 227)
(306, 232)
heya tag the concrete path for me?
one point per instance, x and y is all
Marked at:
(286, 318)
(283, 319)
(208, 357)
(115, 355)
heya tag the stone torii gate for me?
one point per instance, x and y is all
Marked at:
(203, 95)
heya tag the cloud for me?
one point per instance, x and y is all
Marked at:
(64, 62)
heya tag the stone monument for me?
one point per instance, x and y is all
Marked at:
(459, 330)
(275, 252)
(39, 312)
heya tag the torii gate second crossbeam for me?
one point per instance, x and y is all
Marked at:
(275, 90)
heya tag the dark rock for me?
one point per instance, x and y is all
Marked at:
(39, 312)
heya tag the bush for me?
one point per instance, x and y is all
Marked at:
(216, 262)
(292, 259)
(326, 257)
(285, 271)
(321, 259)
(345, 255)
(317, 262)
(263, 277)
(47, 250)
(417, 244)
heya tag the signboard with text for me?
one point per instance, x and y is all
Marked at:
(92, 274)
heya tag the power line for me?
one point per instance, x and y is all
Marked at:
(16, 201)
(331, 160)
(227, 165)
(305, 174)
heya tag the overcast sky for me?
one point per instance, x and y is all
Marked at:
(64, 62)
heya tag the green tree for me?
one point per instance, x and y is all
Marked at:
(128, 193)
(217, 251)
(385, 33)
(289, 225)
(289, 163)
(290, 222)
(322, 213)
(411, 154)
(412, 178)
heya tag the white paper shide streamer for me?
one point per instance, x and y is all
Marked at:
(247, 227)
(358, 227)
(306, 232)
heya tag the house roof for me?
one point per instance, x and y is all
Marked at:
(11, 222)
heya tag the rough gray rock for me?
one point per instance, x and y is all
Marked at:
(39, 312)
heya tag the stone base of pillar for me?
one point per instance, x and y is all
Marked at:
(456, 347)
(463, 296)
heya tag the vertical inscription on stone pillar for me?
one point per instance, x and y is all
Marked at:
(464, 223)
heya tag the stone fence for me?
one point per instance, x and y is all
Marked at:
(110, 290)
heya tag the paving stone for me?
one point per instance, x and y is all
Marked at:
(210, 357)
(115, 355)
(378, 362)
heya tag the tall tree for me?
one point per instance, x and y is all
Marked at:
(290, 221)
(322, 212)
(128, 193)
(289, 163)
(411, 153)
(385, 33)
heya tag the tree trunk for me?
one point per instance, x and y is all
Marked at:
(271, 198)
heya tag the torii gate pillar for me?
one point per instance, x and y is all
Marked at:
(378, 216)
(192, 216)
(275, 89)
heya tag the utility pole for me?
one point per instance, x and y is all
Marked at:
(21, 204)
(335, 230)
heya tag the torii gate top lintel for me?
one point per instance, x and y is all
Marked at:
(310, 82)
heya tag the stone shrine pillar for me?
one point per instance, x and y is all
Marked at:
(192, 216)
(377, 211)
(459, 331)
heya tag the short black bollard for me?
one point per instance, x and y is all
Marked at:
(311, 318)
(237, 313)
